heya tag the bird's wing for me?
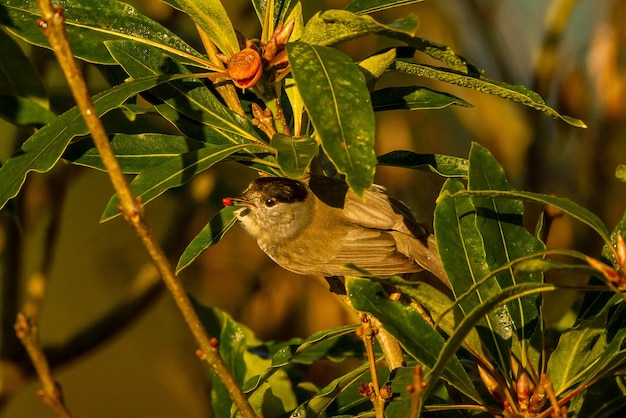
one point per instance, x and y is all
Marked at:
(376, 210)
(371, 250)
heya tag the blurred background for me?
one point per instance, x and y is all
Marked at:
(572, 52)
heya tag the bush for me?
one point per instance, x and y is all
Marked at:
(281, 105)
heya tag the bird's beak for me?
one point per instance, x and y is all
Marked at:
(237, 201)
(244, 205)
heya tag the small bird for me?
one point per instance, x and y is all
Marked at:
(318, 225)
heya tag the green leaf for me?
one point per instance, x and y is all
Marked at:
(175, 172)
(90, 23)
(134, 153)
(586, 358)
(338, 103)
(444, 165)
(294, 155)
(609, 251)
(454, 342)
(566, 205)
(206, 118)
(413, 98)
(437, 51)
(374, 66)
(210, 235)
(516, 93)
(236, 347)
(410, 328)
(336, 344)
(371, 6)
(596, 303)
(330, 394)
(603, 399)
(475, 238)
(44, 148)
(334, 26)
(441, 307)
(233, 341)
(507, 237)
(23, 111)
(279, 9)
(212, 18)
(574, 352)
(18, 74)
(296, 103)
(402, 380)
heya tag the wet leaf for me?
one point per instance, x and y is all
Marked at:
(338, 103)
(174, 172)
(413, 98)
(371, 6)
(89, 25)
(210, 235)
(516, 93)
(444, 165)
(476, 237)
(334, 26)
(44, 148)
(294, 155)
(413, 332)
(134, 153)
(206, 118)
(212, 18)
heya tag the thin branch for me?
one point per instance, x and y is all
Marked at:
(11, 250)
(372, 390)
(394, 357)
(53, 28)
(50, 393)
(416, 389)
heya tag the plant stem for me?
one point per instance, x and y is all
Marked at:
(53, 27)
(367, 335)
(223, 85)
(27, 332)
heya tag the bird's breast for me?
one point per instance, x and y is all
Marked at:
(307, 253)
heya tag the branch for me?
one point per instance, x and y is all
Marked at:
(53, 26)
(50, 393)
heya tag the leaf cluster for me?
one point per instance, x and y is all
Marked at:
(321, 113)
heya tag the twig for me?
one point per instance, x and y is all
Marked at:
(389, 345)
(416, 389)
(53, 26)
(377, 395)
(9, 287)
(50, 393)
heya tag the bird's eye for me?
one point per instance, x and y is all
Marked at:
(270, 203)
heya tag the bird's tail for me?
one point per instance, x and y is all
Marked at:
(428, 257)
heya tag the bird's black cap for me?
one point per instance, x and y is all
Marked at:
(282, 189)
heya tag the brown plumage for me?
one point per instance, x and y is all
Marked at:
(317, 225)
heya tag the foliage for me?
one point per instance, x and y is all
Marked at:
(312, 104)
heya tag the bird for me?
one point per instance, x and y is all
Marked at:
(318, 225)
